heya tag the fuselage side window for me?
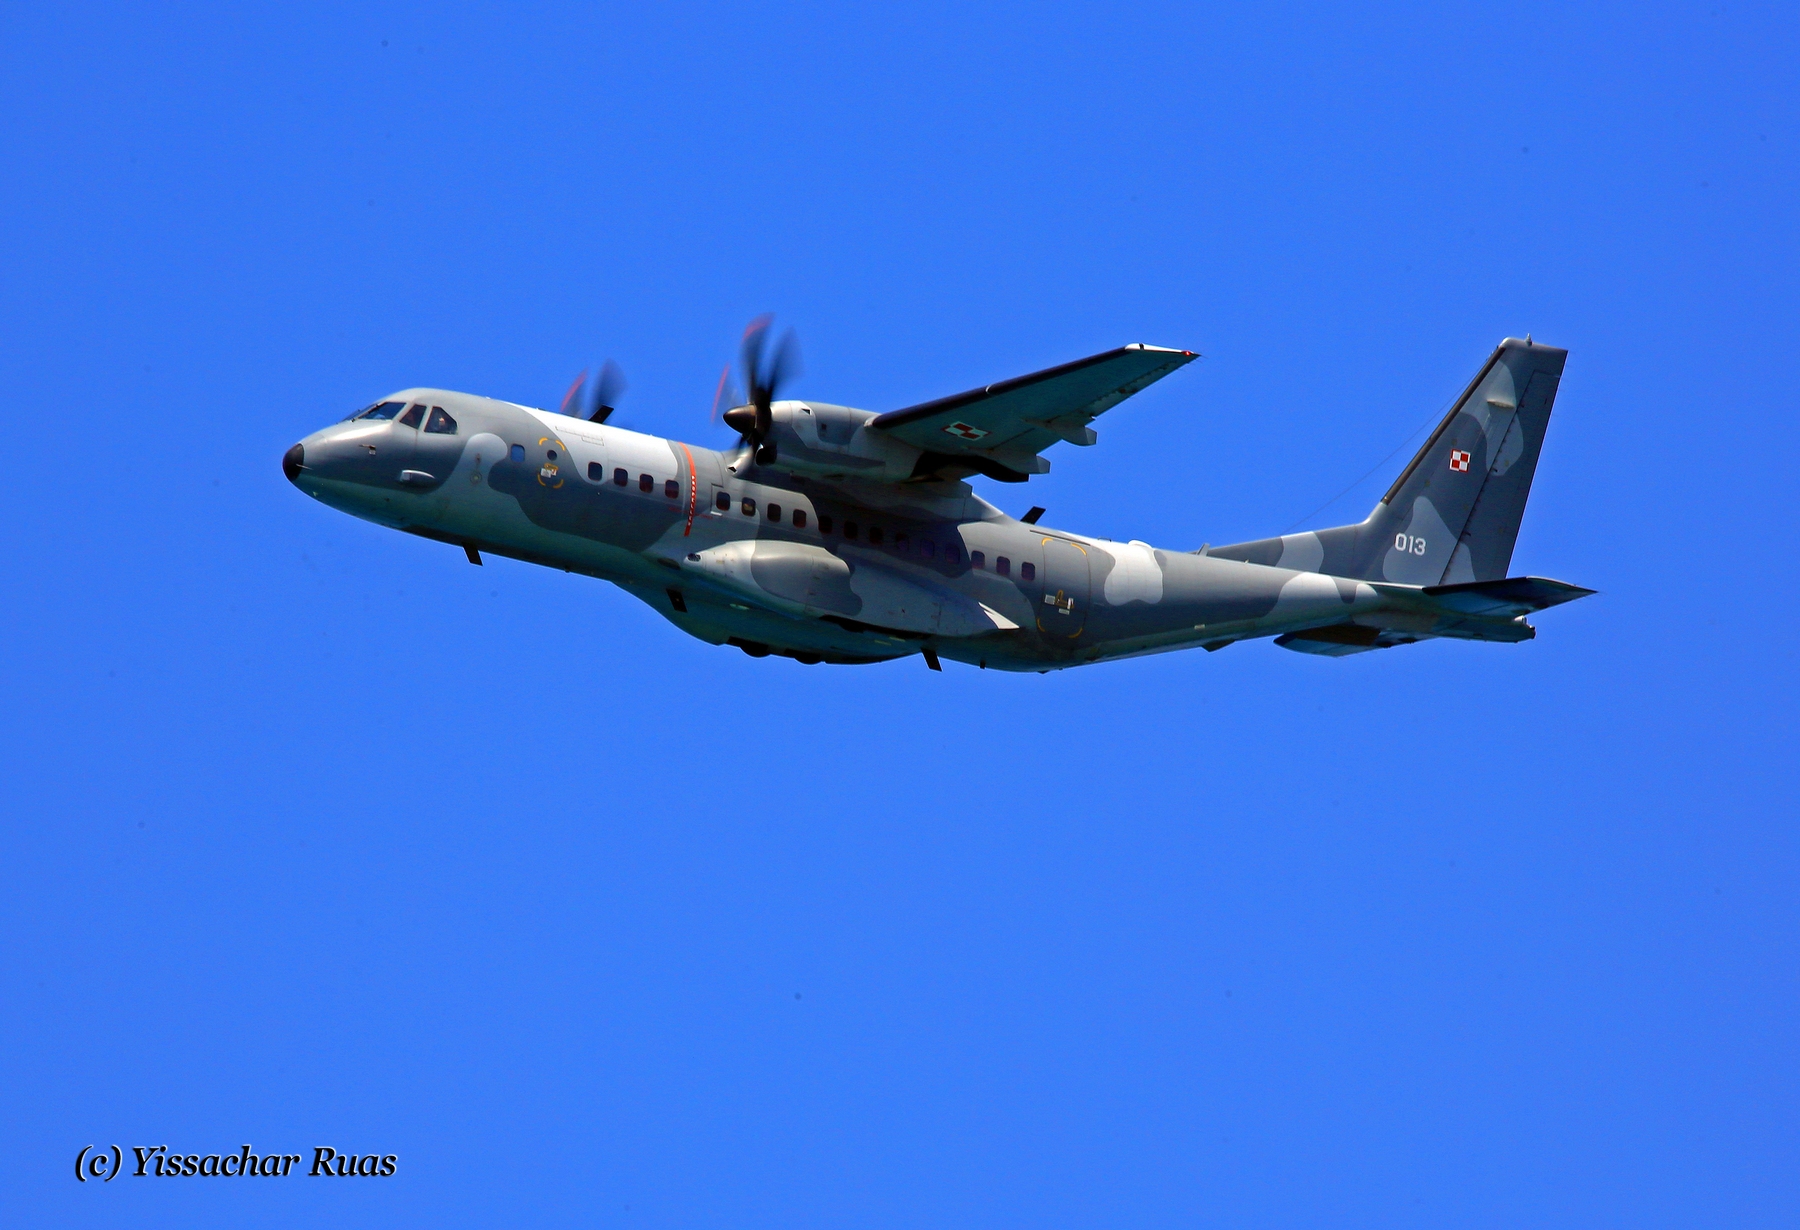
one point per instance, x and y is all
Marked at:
(596, 471)
(516, 452)
(1028, 571)
(900, 544)
(952, 553)
(414, 415)
(977, 560)
(748, 507)
(671, 488)
(722, 501)
(799, 518)
(927, 548)
(621, 476)
(646, 483)
(849, 529)
(774, 512)
(1002, 565)
(824, 523)
(875, 535)
(439, 423)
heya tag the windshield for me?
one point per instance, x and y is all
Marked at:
(385, 410)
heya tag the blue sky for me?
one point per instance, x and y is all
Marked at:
(316, 835)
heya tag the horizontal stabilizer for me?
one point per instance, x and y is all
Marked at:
(1506, 598)
(1472, 611)
(1334, 641)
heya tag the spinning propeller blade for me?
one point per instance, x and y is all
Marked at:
(719, 395)
(595, 399)
(766, 369)
(570, 398)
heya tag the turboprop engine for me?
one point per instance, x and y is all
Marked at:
(828, 441)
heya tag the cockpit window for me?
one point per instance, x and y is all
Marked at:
(440, 422)
(386, 410)
(414, 415)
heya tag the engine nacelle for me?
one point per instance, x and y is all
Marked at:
(829, 441)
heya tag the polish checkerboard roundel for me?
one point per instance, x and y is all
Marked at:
(1459, 461)
(965, 431)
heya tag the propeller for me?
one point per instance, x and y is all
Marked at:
(594, 400)
(766, 369)
(726, 390)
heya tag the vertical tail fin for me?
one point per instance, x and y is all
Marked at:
(1453, 514)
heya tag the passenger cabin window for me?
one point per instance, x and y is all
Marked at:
(900, 544)
(596, 471)
(672, 489)
(977, 560)
(875, 535)
(748, 507)
(1002, 565)
(440, 423)
(386, 410)
(952, 553)
(621, 476)
(774, 512)
(849, 529)
(927, 548)
(517, 452)
(414, 416)
(799, 518)
(646, 483)
(722, 501)
(824, 523)
(1027, 571)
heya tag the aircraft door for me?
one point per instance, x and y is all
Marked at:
(1062, 610)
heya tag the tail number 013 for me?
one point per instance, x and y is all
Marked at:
(1409, 544)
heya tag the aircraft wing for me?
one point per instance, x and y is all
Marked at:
(1000, 429)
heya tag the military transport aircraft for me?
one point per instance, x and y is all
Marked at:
(838, 535)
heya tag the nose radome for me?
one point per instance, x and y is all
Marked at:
(293, 461)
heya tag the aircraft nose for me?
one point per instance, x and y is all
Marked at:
(293, 461)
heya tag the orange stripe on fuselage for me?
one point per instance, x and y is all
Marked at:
(693, 490)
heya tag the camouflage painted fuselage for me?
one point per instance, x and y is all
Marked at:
(874, 570)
